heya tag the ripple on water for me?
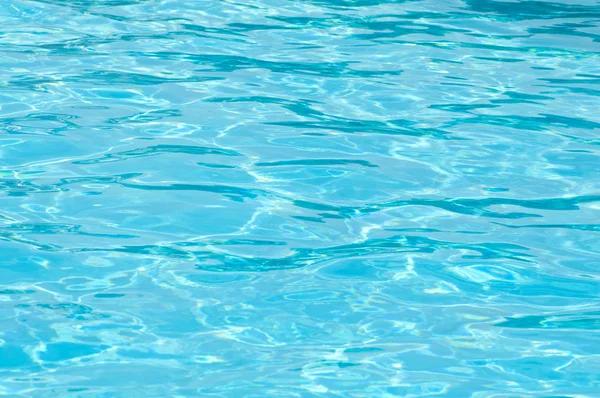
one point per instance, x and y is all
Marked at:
(327, 197)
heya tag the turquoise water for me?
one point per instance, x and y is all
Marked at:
(309, 198)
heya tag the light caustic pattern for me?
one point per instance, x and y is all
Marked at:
(299, 198)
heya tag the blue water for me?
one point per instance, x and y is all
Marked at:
(299, 198)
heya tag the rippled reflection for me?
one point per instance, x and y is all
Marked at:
(372, 198)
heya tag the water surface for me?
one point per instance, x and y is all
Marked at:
(299, 198)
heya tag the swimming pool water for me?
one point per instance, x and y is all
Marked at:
(299, 198)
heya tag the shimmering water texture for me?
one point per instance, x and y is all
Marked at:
(299, 198)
